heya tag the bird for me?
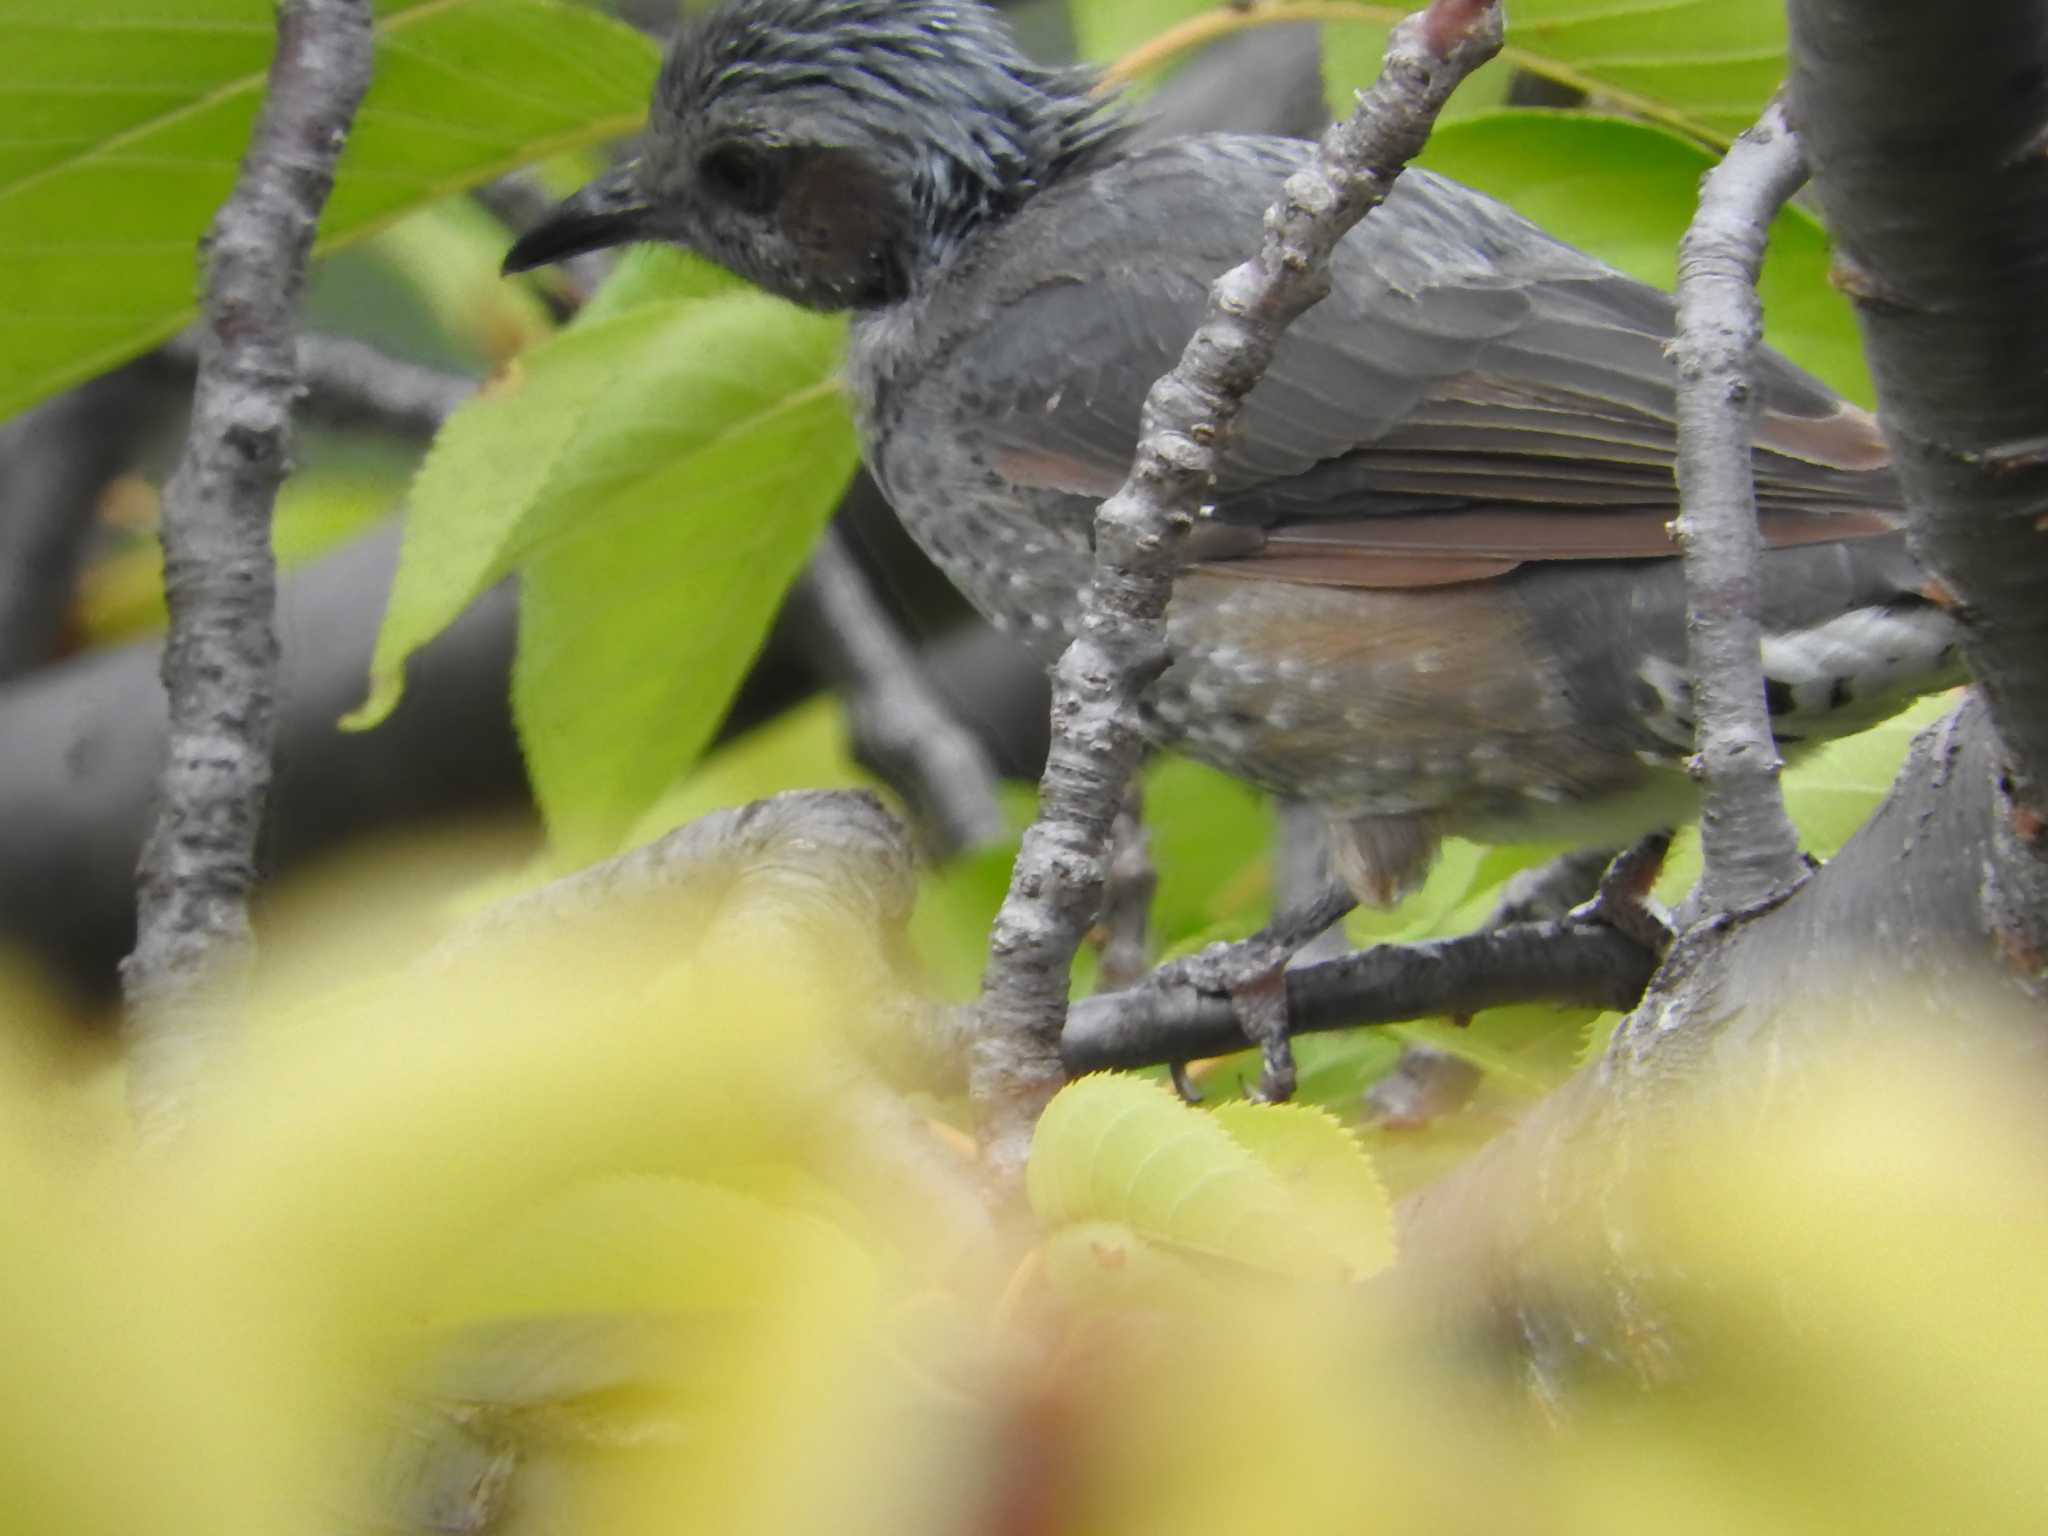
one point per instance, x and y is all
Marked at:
(1435, 590)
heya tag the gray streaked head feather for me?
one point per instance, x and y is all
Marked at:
(926, 102)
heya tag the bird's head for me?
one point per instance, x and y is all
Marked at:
(831, 150)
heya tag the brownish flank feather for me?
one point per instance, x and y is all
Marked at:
(1433, 549)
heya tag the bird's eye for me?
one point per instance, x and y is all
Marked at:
(740, 175)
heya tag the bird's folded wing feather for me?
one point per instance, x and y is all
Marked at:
(1471, 396)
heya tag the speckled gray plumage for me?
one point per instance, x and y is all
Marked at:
(1434, 593)
(1514, 708)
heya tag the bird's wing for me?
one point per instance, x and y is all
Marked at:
(1471, 396)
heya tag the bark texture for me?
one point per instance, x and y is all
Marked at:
(220, 575)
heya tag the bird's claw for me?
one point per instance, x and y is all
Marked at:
(1253, 975)
(1624, 902)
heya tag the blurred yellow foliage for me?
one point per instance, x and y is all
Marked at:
(624, 1236)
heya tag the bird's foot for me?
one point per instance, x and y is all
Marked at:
(1253, 975)
(1624, 902)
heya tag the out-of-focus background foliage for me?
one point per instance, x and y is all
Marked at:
(551, 1244)
(534, 1246)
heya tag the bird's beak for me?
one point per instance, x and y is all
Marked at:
(610, 211)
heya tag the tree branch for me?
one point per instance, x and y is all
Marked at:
(1750, 848)
(824, 853)
(55, 461)
(354, 386)
(806, 863)
(1057, 885)
(900, 727)
(1887, 937)
(1585, 965)
(1924, 126)
(1132, 881)
(220, 658)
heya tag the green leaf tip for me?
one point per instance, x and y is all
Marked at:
(1281, 1189)
(386, 689)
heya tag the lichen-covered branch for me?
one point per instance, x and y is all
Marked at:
(1750, 849)
(1057, 885)
(220, 657)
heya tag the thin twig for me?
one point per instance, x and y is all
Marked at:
(1057, 883)
(1625, 898)
(56, 461)
(1126, 926)
(1304, 872)
(1588, 965)
(220, 576)
(520, 201)
(901, 728)
(1552, 889)
(353, 385)
(1750, 848)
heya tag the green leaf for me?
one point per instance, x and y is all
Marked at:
(1829, 794)
(1329, 1174)
(1624, 192)
(637, 627)
(1106, 30)
(1832, 792)
(448, 256)
(1354, 51)
(802, 748)
(126, 125)
(1531, 1048)
(1704, 67)
(1212, 840)
(657, 473)
(1113, 1148)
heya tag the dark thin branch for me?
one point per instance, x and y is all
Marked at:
(1304, 871)
(1750, 847)
(354, 386)
(1585, 965)
(220, 576)
(1925, 128)
(901, 729)
(1057, 885)
(1125, 931)
(1552, 888)
(520, 201)
(351, 384)
(55, 463)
